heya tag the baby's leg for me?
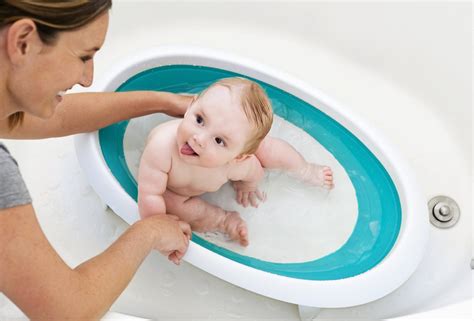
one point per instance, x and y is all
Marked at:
(274, 153)
(205, 217)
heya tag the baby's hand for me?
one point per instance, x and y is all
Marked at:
(248, 193)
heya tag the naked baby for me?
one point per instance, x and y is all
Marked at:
(222, 137)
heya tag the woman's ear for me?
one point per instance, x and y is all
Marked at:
(22, 40)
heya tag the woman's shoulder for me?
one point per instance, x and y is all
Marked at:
(13, 191)
(6, 157)
(3, 149)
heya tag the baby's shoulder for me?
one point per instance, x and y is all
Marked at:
(160, 143)
(164, 130)
(163, 134)
(238, 169)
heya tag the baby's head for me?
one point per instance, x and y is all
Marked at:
(226, 121)
(255, 104)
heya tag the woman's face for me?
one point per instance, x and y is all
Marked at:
(38, 84)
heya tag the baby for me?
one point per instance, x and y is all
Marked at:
(222, 137)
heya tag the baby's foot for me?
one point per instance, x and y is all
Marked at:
(235, 227)
(316, 175)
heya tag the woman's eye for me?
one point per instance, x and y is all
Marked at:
(199, 119)
(86, 58)
(220, 141)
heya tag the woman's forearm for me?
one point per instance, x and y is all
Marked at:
(39, 282)
(105, 276)
(91, 111)
(86, 112)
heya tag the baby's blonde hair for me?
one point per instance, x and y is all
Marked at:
(256, 106)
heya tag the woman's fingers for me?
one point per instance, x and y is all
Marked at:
(186, 228)
(174, 258)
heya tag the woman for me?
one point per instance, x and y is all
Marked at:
(46, 47)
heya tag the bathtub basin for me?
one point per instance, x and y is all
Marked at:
(385, 185)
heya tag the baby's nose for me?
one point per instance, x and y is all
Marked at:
(199, 139)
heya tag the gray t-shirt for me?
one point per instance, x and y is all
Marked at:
(13, 191)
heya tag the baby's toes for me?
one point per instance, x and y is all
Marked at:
(243, 235)
(329, 185)
(233, 225)
(327, 171)
(328, 178)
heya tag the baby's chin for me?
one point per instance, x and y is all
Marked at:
(201, 162)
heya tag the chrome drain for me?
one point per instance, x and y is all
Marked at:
(444, 211)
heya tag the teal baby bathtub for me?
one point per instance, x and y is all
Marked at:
(370, 264)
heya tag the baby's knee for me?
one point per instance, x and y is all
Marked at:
(173, 201)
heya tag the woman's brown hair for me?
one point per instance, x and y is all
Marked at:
(50, 17)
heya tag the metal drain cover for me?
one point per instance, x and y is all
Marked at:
(444, 211)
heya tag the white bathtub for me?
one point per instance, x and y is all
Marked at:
(408, 80)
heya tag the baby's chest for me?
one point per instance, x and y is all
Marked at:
(197, 179)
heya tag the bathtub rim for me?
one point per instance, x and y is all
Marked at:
(392, 271)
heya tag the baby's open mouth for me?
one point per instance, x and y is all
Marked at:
(187, 150)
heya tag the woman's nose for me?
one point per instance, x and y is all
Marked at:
(88, 74)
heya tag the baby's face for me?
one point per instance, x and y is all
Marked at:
(214, 130)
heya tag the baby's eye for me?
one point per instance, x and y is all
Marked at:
(220, 141)
(199, 119)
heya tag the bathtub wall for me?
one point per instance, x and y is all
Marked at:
(423, 47)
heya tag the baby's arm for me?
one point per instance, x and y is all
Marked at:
(155, 165)
(153, 177)
(246, 175)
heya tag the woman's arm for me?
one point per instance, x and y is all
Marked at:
(86, 112)
(36, 279)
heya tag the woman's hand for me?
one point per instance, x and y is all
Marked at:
(171, 235)
(181, 102)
